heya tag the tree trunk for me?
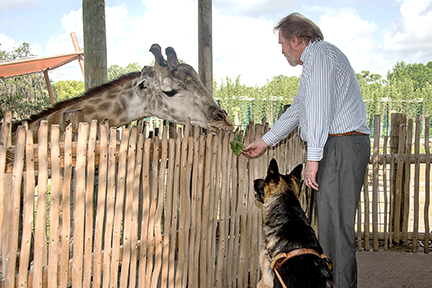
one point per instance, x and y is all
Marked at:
(205, 48)
(95, 53)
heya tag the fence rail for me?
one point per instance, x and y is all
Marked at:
(111, 209)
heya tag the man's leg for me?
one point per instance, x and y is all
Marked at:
(340, 178)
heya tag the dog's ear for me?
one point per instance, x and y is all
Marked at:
(297, 171)
(273, 171)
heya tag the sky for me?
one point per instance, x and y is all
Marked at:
(374, 34)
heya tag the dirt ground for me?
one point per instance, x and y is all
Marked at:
(396, 267)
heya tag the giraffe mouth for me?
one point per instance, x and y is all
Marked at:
(222, 120)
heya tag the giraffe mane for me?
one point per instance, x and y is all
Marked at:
(91, 92)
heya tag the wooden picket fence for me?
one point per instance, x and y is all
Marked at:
(395, 202)
(110, 208)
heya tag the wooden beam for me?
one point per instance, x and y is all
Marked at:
(48, 84)
(77, 49)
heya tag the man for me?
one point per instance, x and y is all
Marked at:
(330, 112)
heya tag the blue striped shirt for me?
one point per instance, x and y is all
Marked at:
(328, 101)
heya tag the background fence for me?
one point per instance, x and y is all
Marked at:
(396, 192)
(137, 209)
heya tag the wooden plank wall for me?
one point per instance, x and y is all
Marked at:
(111, 209)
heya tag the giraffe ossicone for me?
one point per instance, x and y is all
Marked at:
(168, 90)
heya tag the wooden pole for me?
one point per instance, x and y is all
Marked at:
(48, 84)
(375, 183)
(205, 46)
(95, 53)
(397, 119)
(77, 49)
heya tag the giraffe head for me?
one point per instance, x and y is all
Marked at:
(174, 92)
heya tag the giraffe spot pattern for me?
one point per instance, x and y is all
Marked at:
(104, 106)
(123, 104)
(94, 101)
(129, 94)
(89, 109)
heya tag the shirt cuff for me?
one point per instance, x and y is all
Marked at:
(270, 139)
(315, 154)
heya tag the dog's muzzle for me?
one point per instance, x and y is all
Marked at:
(259, 189)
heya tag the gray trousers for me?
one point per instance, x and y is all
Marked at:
(340, 178)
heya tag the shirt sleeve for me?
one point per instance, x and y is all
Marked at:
(319, 90)
(284, 125)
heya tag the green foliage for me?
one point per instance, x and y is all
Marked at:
(407, 90)
(237, 145)
(67, 89)
(23, 95)
(234, 98)
(420, 74)
(22, 51)
(245, 104)
(277, 93)
(115, 71)
(369, 78)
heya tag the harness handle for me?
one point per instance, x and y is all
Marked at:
(281, 258)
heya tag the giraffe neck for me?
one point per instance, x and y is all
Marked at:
(113, 102)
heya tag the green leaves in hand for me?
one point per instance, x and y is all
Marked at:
(237, 145)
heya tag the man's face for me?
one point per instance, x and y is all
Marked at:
(288, 50)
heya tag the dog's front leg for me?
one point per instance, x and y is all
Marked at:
(267, 274)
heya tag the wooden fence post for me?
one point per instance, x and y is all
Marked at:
(427, 185)
(375, 184)
(397, 120)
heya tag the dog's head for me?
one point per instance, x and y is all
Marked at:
(276, 184)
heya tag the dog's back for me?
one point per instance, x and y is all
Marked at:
(287, 232)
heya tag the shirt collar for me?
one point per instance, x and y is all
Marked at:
(307, 49)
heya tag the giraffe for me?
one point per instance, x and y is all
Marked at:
(168, 90)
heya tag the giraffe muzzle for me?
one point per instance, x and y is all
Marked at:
(221, 117)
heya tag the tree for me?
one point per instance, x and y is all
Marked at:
(95, 52)
(370, 78)
(115, 71)
(420, 74)
(67, 89)
(23, 95)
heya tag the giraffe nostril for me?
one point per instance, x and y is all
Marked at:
(219, 115)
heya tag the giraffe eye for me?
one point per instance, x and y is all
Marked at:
(170, 93)
(143, 84)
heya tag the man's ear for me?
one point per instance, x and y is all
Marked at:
(295, 41)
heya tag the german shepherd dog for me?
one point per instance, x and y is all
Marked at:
(291, 252)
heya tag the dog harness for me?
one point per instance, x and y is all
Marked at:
(282, 257)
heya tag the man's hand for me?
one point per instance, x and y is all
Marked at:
(310, 174)
(255, 148)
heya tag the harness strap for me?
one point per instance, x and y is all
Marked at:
(281, 258)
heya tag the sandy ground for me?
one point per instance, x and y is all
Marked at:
(394, 268)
